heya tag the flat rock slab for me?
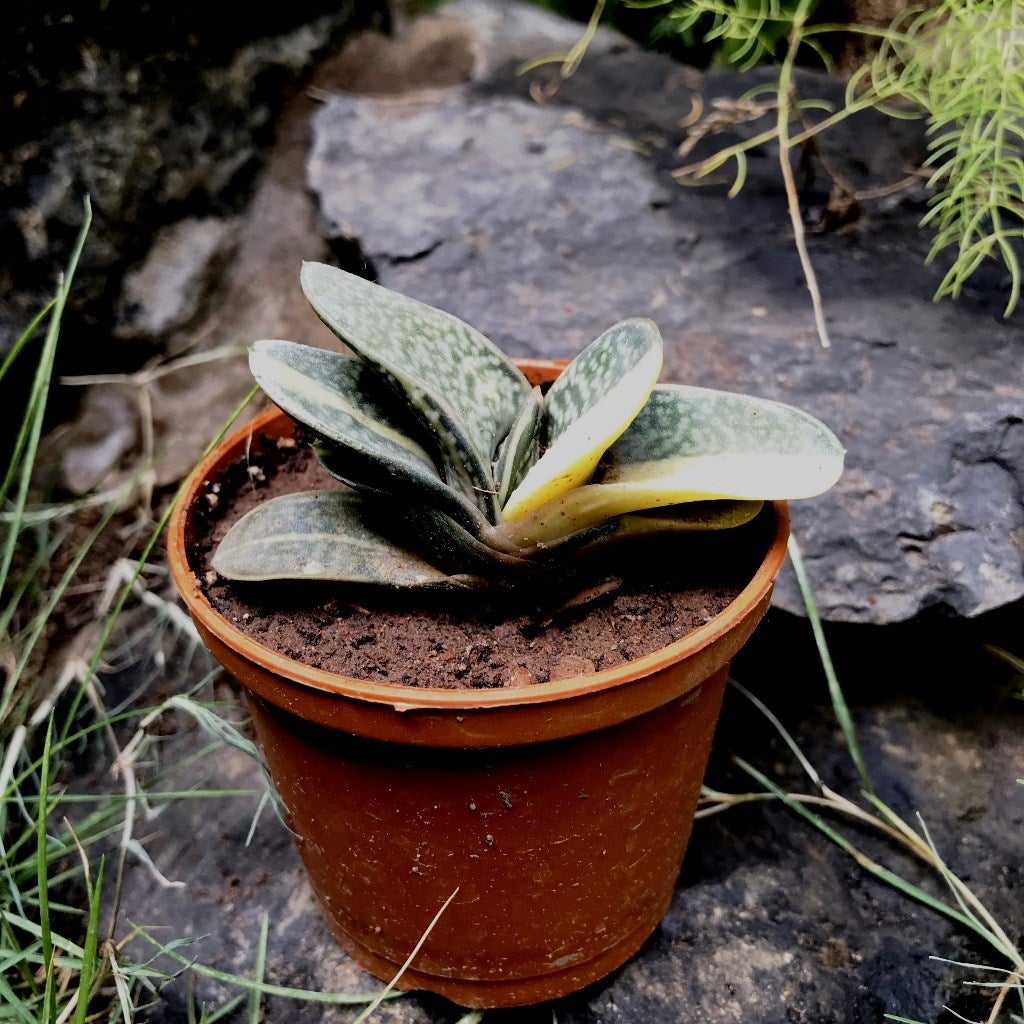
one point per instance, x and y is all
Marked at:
(543, 223)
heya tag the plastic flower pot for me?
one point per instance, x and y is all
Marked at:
(559, 811)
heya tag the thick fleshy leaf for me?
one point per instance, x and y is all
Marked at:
(716, 444)
(322, 535)
(591, 403)
(447, 544)
(402, 490)
(520, 449)
(341, 400)
(338, 398)
(461, 386)
(695, 444)
(690, 517)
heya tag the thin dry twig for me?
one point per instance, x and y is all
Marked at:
(785, 97)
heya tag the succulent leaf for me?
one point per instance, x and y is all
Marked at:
(695, 444)
(322, 535)
(402, 487)
(716, 444)
(520, 449)
(336, 397)
(587, 408)
(688, 517)
(449, 545)
(691, 517)
(463, 388)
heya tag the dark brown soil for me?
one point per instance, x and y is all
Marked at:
(630, 603)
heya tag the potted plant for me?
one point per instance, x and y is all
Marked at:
(558, 809)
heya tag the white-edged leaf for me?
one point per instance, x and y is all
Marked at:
(706, 444)
(520, 449)
(695, 444)
(337, 397)
(461, 386)
(341, 400)
(321, 535)
(589, 405)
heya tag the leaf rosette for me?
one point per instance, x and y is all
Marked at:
(458, 474)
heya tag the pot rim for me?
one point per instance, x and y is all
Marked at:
(407, 698)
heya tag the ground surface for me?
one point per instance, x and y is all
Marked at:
(770, 922)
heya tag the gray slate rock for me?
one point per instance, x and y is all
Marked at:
(542, 224)
(157, 112)
(166, 291)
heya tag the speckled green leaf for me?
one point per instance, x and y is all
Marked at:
(449, 546)
(520, 449)
(321, 535)
(341, 400)
(463, 388)
(338, 398)
(415, 491)
(694, 444)
(591, 403)
(716, 444)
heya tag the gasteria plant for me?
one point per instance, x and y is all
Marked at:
(461, 474)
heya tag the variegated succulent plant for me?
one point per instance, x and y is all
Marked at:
(462, 474)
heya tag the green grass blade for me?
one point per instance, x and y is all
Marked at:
(89, 961)
(170, 950)
(872, 867)
(25, 338)
(839, 705)
(124, 993)
(17, 959)
(390, 986)
(126, 590)
(43, 615)
(27, 443)
(811, 771)
(42, 866)
(258, 971)
(9, 1000)
(30, 576)
(223, 1011)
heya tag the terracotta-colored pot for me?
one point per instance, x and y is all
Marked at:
(560, 811)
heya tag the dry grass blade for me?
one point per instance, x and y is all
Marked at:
(386, 991)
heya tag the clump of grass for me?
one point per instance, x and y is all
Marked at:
(963, 64)
(67, 957)
(957, 63)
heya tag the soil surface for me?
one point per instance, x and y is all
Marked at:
(628, 604)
